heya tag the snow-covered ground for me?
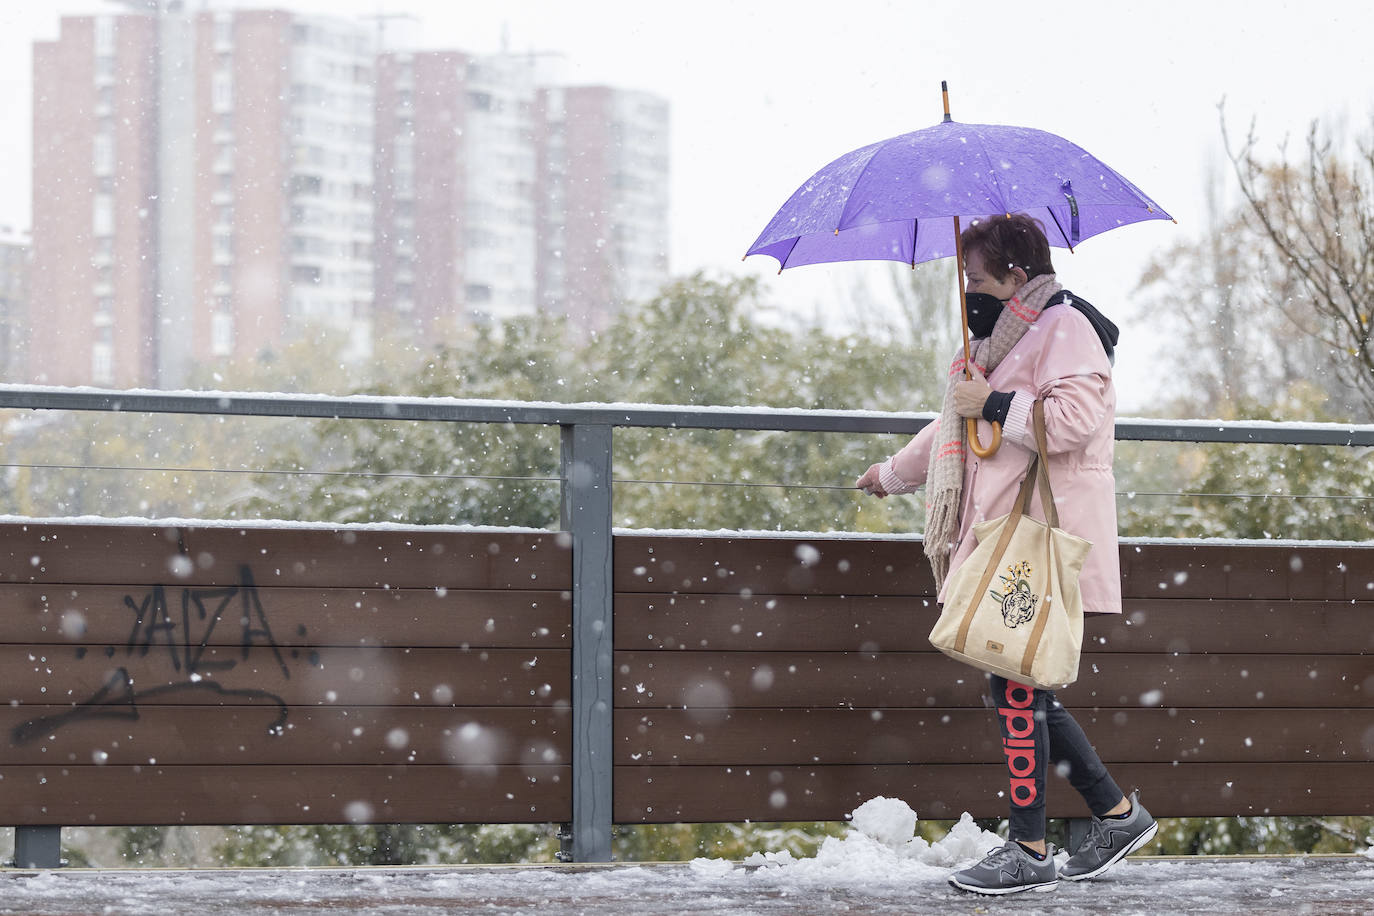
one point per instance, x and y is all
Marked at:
(877, 869)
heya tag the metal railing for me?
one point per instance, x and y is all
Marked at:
(457, 410)
(586, 436)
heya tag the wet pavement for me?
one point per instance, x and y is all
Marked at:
(1150, 885)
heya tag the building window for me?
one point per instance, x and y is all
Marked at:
(306, 273)
(104, 36)
(312, 185)
(104, 154)
(102, 363)
(221, 334)
(102, 217)
(222, 90)
(224, 31)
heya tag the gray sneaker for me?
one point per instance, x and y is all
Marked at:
(1110, 840)
(1007, 870)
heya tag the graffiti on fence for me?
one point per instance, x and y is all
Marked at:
(185, 637)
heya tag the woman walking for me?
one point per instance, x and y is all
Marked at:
(1032, 341)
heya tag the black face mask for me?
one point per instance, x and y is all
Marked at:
(983, 311)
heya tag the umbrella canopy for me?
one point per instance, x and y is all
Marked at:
(902, 199)
(895, 200)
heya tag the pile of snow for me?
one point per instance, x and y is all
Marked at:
(880, 847)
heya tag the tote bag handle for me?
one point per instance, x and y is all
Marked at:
(1037, 471)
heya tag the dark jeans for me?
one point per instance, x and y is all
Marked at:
(1036, 729)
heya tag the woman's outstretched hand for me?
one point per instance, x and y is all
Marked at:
(869, 482)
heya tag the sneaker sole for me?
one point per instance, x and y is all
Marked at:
(1000, 891)
(1138, 842)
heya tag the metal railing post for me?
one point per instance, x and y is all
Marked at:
(585, 467)
(38, 847)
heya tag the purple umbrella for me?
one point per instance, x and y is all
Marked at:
(902, 199)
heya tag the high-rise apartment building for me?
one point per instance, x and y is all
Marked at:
(95, 203)
(15, 250)
(202, 190)
(496, 196)
(455, 182)
(281, 211)
(602, 200)
(209, 184)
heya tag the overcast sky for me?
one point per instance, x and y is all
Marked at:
(765, 92)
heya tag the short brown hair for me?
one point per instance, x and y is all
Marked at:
(1010, 241)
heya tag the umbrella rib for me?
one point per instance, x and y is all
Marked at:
(992, 174)
(858, 179)
(782, 261)
(1058, 225)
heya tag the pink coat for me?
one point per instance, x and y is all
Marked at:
(1060, 360)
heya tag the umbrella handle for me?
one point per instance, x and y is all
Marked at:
(979, 449)
(983, 451)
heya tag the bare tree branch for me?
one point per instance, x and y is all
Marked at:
(1317, 219)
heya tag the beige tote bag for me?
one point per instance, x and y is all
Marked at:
(1014, 608)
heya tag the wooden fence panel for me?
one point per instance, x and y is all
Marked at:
(154, 674)
(292, 556)
(893, 623)
(334, 794)
(945, 791)
(789, 678)
(110, 615)
(771, 737)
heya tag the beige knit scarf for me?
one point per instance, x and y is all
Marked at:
(945, 480)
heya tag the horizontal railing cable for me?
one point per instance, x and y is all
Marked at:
(285, 472)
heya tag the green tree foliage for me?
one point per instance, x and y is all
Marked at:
(1220, 836)
(681, 842)
(388, 844)
(1306, 492)
(1310, 492)
(117, 464)
(697, 343)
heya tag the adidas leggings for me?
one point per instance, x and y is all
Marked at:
(1036, 729)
